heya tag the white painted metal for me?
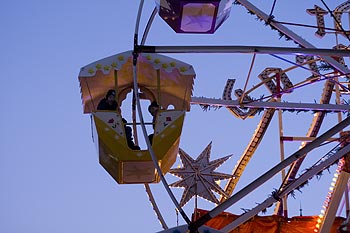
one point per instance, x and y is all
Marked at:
(269, 174)
(274, 105)
(298, 39)
(244, 49)
(307, 175)
(332, 208)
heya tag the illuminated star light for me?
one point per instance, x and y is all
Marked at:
(198, 176)
(195, 18)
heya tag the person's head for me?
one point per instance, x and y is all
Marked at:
(153, 108)
(110, 96)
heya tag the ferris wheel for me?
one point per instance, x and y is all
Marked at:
(146, 75)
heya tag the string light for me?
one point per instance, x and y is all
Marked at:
(329, 195)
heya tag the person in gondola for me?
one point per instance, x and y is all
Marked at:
(129, 139)
(153, 109)
(128, 135)
(108, 103)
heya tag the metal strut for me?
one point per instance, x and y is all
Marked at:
(268, 175)
(143, 127)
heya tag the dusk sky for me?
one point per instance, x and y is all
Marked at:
(50, 177)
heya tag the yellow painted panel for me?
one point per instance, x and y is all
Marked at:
(136, 166)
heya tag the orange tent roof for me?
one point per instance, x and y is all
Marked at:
(268, 224)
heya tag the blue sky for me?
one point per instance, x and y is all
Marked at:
(50, 177)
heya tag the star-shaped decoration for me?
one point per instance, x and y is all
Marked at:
(196, 18)
(198, 176)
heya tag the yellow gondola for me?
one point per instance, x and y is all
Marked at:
(160, 78)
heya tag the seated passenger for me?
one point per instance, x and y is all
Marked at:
(128, 136)
(153, 109)
(129, 139)
(108, 103)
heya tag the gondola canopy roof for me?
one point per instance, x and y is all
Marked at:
(167, 78)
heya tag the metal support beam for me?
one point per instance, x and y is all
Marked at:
(305, 139)
(275, 105)
(332, 208)
(268, 175)
(242, 49)
(295, 37)
(248, 152)
(268, 202)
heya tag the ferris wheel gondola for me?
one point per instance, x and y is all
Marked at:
(160, 78)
